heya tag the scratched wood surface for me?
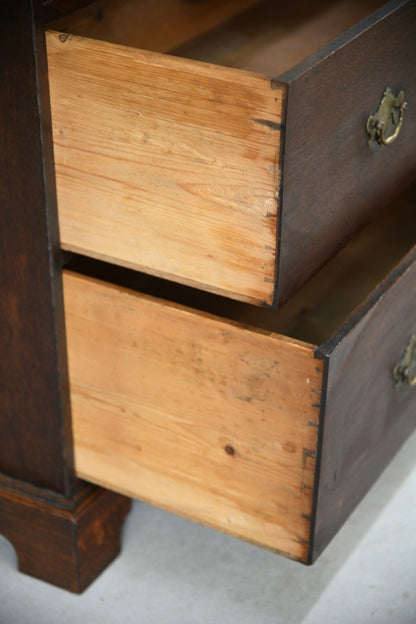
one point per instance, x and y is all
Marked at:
(206, 418)
(166, 165)
(367, 415)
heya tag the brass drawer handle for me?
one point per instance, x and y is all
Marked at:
(389, 115)
(405, 371)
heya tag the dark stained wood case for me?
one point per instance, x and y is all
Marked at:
(64, 531)
(35, 440)
(65, 542)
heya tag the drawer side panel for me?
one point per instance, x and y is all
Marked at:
(202, 417)
(167, 166)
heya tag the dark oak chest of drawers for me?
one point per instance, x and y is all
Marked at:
(208, 159)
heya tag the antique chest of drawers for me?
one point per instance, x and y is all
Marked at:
(210, 158)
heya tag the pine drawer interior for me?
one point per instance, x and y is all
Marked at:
(255, 35)
(230, 414)
(223, 145)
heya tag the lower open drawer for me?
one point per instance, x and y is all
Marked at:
(264, 436)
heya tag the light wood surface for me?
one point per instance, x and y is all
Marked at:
(157, 26)
(166, 165)
(207, 418)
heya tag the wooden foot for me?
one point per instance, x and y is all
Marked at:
(66, 542)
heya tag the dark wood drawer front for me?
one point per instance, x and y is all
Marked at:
(333, 182)
(367, 416)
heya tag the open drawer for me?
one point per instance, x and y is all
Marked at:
(243, 426)
(224, 145)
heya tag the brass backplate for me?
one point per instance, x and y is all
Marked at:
(405, 371)
(384, 126)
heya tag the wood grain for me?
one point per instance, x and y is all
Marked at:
(157, 26)
(333, 182)
(209, 419)
(63, 531)
(67, 544)
(272, 37)
(166, 166)
(35, 425)
(367, 417)
(320, 306)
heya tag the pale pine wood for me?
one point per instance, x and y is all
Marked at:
(206, 418)
(153, 25)
(166, 165)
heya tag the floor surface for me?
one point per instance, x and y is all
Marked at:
(172, 571)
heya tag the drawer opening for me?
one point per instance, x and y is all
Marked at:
(268, 37)
(320, 306)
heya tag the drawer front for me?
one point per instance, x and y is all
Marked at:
(367, 414)
(333, 181)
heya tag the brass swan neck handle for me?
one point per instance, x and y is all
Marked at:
(390, 115)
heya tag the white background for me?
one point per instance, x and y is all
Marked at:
(172, 571)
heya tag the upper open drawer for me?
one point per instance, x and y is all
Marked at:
(212, 153)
